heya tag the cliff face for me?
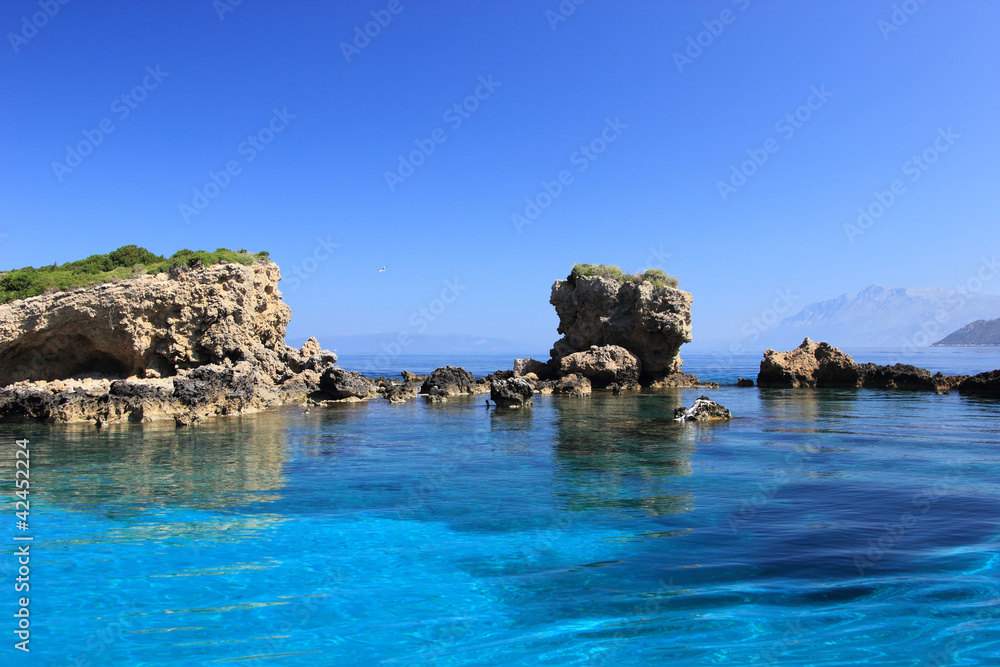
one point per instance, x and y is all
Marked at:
(650, 322)
(198, 342)
(151, 326)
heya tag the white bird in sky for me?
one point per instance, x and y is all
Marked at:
(382, 270)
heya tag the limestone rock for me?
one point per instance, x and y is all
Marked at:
(338, 384)
(529, 366)
(511, 392)
(400, 393)
(650, 322)
(572, 385)
(604, 365)
(450, 381)
(704, 409)
(679, 380)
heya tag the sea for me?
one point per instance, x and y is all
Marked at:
(818, 527)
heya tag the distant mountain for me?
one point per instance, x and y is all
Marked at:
(978, 333)
(886, 317)
(389, 343)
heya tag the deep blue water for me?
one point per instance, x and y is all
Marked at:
(826, 527)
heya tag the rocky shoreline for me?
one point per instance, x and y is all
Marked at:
(206, 341)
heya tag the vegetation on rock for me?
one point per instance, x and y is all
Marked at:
(654, 276)
(129, 261)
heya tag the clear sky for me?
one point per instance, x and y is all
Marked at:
(641, 122)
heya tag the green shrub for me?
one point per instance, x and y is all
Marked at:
(655, 276)
(129, 261)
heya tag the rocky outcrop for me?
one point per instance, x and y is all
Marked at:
(984, 383)
(572, 385)
(400, 393)
(186, 345)
(603, 366)
(649, 322)
(531, 368)
(452, 381)
(744, 382)
(511, 392)
(704, 409)
(822, 365)
(338, 384)
(675, 380)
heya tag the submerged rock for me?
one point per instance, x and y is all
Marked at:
(704, 409)
(680, 380)
(511, 392)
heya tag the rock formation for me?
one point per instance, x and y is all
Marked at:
(704, 409)
(197, 342)
(603, 366)
(452, 381)
(648, 321)
(822, 365)
(984, 383)
(511, 392)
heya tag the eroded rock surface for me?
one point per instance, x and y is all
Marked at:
(197, 342)
(704, 409)
(649, 322)
(511, 392)
(822, 365)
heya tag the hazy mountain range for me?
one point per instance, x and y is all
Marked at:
(886, 317)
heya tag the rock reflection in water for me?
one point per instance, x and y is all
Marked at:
(623, 452)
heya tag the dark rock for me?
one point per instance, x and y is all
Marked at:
(704, 409)
(572, 385)
(412, 377)
(25, 403)
(338, 384)
(511, 392)
(679, 380)
(744, 382)
(984, 383)
(450, 381)
(401, 393)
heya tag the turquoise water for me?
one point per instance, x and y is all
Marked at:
(818, 528)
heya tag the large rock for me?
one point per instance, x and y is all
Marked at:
(400, 393)
(809, 365)
(339, 384)
(511, 392)
(452, 381)
(152, 326)
(528, 366)
(704, 409)
(603, 366)
(186, 345)
(650, 322)
(984, 383)
(822, 365)
(572, 385)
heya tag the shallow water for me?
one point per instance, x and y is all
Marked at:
(822, 527)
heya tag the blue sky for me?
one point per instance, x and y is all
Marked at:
(663, 131)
